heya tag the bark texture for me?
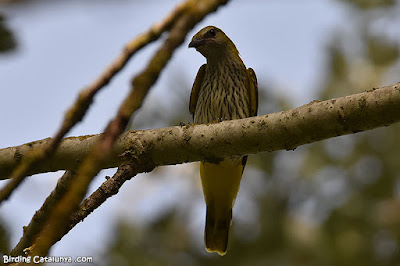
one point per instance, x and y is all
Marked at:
(278, 131)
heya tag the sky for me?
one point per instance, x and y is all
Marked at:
(64, 45)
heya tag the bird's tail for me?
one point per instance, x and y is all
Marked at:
(216, 232)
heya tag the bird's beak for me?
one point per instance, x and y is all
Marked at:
(196, 43)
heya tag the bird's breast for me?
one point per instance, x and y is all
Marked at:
(223, 96)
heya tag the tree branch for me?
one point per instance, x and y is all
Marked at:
(109, 188)
(102, 149)
(265, 135)
(278, 131)
(78, 110)
(40, 217)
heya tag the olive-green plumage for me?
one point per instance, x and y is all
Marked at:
(224, 89)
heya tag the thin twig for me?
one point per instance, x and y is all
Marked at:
(109, 188)
(78, 110)
(40, 217)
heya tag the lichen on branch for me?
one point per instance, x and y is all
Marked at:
(288, 129)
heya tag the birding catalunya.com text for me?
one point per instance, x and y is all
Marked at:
(47, 259)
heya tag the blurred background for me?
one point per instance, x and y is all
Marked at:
(334, 202)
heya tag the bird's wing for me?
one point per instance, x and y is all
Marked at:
(253, 91)
(196, 89)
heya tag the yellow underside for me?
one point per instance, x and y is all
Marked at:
(220, 186)
(221, 182)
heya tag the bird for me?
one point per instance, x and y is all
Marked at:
(224, 89)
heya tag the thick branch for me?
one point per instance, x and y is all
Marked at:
(141, 161)
(284, 130)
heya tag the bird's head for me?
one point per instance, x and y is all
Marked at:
(212, 42)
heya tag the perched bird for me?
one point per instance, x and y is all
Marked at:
(224, 89)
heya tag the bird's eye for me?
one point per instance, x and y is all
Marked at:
(212, 32)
